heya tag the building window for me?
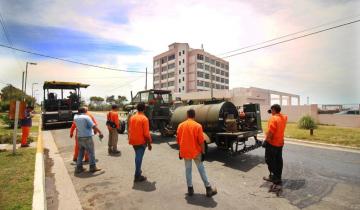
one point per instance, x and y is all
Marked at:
(183, 78)
(170, 66)
(207, 59)
(183, 60)
(183, 52)
(180, 53)
(212, 69)
(226, 81)
(157, 86)
(222, 86)
(200, 66)
(207, 76)
(164, 85)
(164, 68)
(156, 78)
(207, 84)
(156, 62)
(179, 71)
(183, 69)
(163, 60)
(227, 67)
(171, 83)
(170, 75)
(217, 64)
(218, 71)
(226, 87)
(222, 65)
(179, 80)
(217, 79)
(217, 86)
(200, 74)
(164, 76)
(222, 73)
(222, 80)
(200, 83)
(179, 62)
(226, 74)
(212, 61)
(207, 67)
(200, 57)
(212, 77)
(183, 88)
(157, 70)
(179, 90)
(171, 57)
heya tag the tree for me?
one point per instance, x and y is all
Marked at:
(9, 93)
(96, 99)
(308, 123)
(120, 100)
(110, 99)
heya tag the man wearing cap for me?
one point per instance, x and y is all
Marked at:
(274, 143)
(191, 143)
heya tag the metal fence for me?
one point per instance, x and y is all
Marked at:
(344, 109)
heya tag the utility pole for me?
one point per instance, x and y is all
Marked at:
(146, 79)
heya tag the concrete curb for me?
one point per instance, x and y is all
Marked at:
(39, 196)
(321, 145)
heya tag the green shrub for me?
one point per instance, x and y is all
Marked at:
(307, 122)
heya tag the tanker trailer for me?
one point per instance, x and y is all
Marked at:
(222, 125)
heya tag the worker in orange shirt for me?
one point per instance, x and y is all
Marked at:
(26, 124)
(274, 143)
(72, 129)
(190, 139)
(139, 137)
(113, 125)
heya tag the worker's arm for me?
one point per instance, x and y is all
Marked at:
(272, 126)
(97, 130)
(146, 132)
(72, 129)
(201, 139)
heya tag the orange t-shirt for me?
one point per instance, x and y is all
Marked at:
(113, 116)
(73, 126)
(190, 137)
(276, 126)
(139, 131)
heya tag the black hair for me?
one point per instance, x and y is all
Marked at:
(191, 113)
(114, 106)
(276, 108)
(30, 107)
(140, 106)
(82, 110)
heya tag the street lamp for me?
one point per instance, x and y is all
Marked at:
(32, 88)
(26, 70)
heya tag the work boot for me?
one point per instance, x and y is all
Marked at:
(210, 191)
(190, 191)
(79, 170)
(93, 169)
(140, 178)
(116, 152)
(110, 151)
(25, 145)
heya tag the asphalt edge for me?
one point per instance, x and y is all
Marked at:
(39, 195)
(321, 145)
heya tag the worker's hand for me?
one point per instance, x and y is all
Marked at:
(101, 136)
(149, 146)
(264, 144)
(202, 157)
(71, 135)
(180, 158)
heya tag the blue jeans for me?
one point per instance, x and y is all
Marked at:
(139, 154)
(86, 143)
(200, 167)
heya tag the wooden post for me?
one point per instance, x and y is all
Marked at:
(311, 132)
(15, 125)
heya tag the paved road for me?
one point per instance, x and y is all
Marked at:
(314, 178)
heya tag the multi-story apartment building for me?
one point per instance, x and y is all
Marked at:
(182, 69)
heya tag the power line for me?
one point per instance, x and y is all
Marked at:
(288, 40)
(291, 34)
(127, 83)
(70, 61)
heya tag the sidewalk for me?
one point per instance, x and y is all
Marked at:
(60, 191)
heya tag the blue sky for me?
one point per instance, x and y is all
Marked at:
(127, 34)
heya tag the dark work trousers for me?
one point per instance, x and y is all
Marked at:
(274, 160)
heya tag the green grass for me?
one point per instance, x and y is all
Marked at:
(324, 134)
(16, 179)
(6, 132)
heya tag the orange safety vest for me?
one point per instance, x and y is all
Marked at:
(190, 137)
(113, 116)
(139, 130)
(276, 126)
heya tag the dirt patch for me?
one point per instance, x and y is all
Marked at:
(52, 195)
